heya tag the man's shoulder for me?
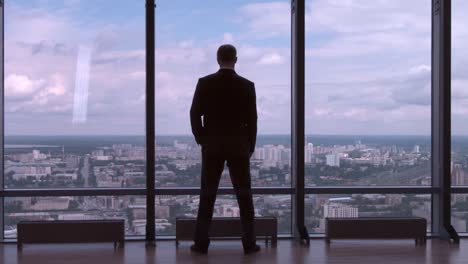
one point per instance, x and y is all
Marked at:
(215, 77)
(208, 77)
(245, 80)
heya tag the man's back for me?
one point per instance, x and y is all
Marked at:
(227, 103)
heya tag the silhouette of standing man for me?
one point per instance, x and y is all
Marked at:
(228, 131)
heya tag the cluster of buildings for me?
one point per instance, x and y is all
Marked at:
(459, 175)
(123, 165)
(376, 156)
(280, 155)
(119, 152)
(36, 167)
(273, 156)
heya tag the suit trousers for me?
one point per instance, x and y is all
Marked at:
(239, 171)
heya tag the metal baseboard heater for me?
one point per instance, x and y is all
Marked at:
(228, 227)
(71, 231)
(377, 228)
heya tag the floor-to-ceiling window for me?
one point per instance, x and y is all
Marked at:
(368, 107)
(459, 164)
(186, 51)
(74, 95)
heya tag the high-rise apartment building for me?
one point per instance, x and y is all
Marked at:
(333, 160)
(334, 210)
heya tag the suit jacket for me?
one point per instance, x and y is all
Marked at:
(224, 113)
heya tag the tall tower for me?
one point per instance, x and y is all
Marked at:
(63, 152)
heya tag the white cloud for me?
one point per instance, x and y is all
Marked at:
(58, 86)
(186, 44)
(72, 3)
(33, 96)
(271, 59)
(269, 18)
(48, 26)
(164, 76)
(41, 65)
(228, 38)
(322, 111)
(459, 90)
(368, 16)
(138, 75)
(21, 85)
(367, 68)
(360, 114)
(185, 55)
(420, 69)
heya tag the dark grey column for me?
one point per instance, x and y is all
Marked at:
(150, 122)
(297, 118)
(441, 120)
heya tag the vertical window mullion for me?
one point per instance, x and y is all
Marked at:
(441, 120)
(297, 111)
(150, 123)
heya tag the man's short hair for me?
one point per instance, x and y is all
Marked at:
(227, 53)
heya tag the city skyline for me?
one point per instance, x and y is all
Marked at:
(178, 161)
(116, 163)
(119, 164)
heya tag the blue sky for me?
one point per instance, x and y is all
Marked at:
(367, 64)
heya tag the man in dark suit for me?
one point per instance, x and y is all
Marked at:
(227, 133)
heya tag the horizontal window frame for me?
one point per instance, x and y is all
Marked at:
(225, 191)
(463, 189)
(135, 191)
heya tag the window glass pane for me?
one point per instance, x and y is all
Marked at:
(459, 218)
(74, 93)
(186, 50)
(368, 92)
(130, 208)
(459, 94)
(318, 207)
(168, 208)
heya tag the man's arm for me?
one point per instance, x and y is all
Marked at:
(196, 115)
(252, 119)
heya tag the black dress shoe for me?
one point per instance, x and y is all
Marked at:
(198, 249)
(251, 249)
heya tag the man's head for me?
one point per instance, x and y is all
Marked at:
(227, 56)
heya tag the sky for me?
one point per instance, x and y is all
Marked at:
(78, 66)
